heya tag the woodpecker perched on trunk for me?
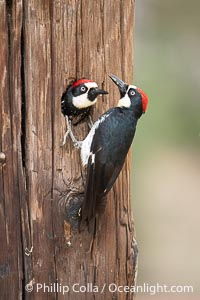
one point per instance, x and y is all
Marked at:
(76, 102)
(105, 148)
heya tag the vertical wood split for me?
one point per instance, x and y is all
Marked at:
(44, 45)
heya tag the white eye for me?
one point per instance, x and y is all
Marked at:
(83, 89)
(132, 93)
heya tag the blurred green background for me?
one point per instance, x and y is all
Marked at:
(166, 150)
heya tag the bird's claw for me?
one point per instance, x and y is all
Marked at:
(65, 137)
(78, 144)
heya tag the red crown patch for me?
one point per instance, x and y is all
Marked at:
(144, 99)
(80, 81)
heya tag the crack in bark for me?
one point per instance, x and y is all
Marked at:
(25, 219)
(23, 148)
(9, 6)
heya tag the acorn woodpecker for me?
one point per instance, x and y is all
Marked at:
(76, 102)
(105, 148)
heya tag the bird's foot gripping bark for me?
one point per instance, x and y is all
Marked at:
(77, 144)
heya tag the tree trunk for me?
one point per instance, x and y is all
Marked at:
(45, 44)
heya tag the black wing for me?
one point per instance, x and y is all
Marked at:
(109, 148)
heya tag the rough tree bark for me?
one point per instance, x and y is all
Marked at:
(45, 44)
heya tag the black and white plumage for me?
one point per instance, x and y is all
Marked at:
(105, 148)
(76, 103)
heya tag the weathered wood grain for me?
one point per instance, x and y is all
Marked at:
(11, 266)
(44, 45)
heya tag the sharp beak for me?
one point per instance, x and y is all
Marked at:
(101, 92)
(94, 92)
(121, 85)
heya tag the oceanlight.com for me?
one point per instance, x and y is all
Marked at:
(146, 288)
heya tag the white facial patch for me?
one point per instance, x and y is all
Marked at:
(132, 87)
(125, 101)
(82, 101)
(90, 85)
